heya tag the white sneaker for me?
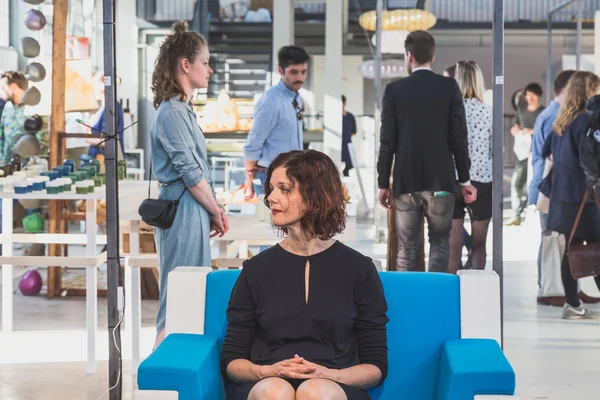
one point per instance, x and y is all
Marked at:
(570, 312)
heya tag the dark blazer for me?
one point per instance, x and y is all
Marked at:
(424, 126)
(566, 181)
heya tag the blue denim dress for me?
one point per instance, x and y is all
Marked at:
(178, 160)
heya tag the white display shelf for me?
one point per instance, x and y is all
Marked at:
(99, 194)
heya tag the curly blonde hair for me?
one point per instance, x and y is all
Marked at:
(179, 44)
(580, 88)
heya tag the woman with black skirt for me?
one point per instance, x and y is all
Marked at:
(566, 184)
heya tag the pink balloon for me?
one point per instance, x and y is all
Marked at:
(30, 283)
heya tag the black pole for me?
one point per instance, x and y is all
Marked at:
(549, 60)
(498, 156)
(112, 202)
(551, 12)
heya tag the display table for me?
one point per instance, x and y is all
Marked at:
(244, 231)
(90, 261)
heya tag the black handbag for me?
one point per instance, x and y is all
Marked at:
(160, 213)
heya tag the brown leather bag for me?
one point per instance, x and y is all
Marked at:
(584, 258)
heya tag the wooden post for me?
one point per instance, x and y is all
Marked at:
(57, 125)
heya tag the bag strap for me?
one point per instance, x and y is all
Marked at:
(576, 224)
(150, 177)
(595, 193)
(169, 183)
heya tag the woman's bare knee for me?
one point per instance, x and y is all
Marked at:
(272, 389)
(320, 389)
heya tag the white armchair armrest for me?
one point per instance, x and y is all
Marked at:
(186, 299)
(480, 305)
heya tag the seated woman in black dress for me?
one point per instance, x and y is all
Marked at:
(307, 317)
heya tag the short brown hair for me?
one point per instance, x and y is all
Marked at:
(451, 71)
(179, 44)
(17, 78)
(318, 180)
(421, 45)
(561, 80)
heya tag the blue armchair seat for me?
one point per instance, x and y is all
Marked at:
(429, 357)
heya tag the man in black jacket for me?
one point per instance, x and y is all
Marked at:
(424, 128)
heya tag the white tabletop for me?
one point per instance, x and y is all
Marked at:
(98, 194)
(126, 190)
(242, 227)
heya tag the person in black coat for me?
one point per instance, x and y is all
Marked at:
(424, 134)
(566, 184)
(307, 317)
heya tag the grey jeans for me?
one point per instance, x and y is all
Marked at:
(518, 191)
(438, 210)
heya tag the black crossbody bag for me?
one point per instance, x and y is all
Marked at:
(160, 213)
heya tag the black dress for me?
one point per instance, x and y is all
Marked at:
(341, 325)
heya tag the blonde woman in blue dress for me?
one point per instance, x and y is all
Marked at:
(179, 159)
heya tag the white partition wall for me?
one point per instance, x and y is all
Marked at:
(283, 31)
(332, 136)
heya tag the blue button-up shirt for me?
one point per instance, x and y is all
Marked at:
(276, 128)
(541, 130)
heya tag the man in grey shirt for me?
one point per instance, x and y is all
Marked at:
(522, 132)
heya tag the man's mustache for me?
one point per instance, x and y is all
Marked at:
(299, 82)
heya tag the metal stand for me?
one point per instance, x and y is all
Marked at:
(112, 202)
(498, 148)
(551, 12)
(377, 211)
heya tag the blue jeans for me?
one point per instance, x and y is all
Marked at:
(262, 176)
(260, 189)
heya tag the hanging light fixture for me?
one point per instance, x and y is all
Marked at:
(30, 46)
(35, 20)
(35, 72)
(395, 20)
(389, 69)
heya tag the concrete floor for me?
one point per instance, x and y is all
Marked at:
(554, 359)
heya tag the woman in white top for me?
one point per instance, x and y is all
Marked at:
(479, 125)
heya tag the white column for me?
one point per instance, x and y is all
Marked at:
(332, 137)
(126, 50)
(127, 58)
(597, 41)
(283, 31)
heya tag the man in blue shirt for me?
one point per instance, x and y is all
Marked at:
(541, 131)
(98, 118)
(277, 120)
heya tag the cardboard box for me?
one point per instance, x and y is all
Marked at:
(256, 4)
(124, 227)
(146, 242)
